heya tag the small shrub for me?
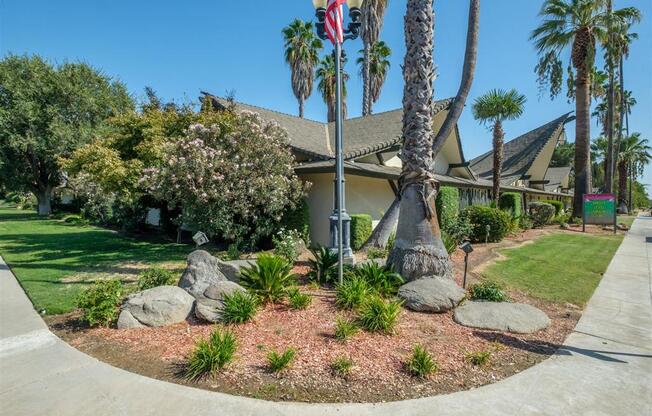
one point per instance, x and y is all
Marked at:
(478, 358)
(377, 253)
(298, 219)
(341, 366)
(344, 328)
(541, 213)
(459, 229)
(448, 206)
(212, 354)
(352, 292)
(286, 243)
(75, 219)
(559, 206)
(269, 278)
(360, 230)
(526, 222)
(154, 277)
(233, 252)
(449, 242)
(382, 279)
(421, 363)
(298, 300)
(488, 223)
(323, 267)
(379, 315)
(100, 302)
(489, 291)
(239, 307)
(277, 362)
(511, 202)
(562, 218)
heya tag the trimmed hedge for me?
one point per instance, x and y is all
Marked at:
(541, 213)
(512, 203)
(448, 206)
(481, 216)
(360, 230)
(559, 206)
(298, 219)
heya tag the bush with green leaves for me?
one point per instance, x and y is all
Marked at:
(490, 224)
(211, 354)
(100, 303)
(154, 277)
(233, 252)
(478, 358)
(525, 222)
(298, 219)
(286, 243)
(352, 292)
(323, 267)
(379, 315)
(297, 299)
(269, 278)
(448, 206)
(511, 202)
(382, 279)
(421, 364)
(280, 361)
(377, 253)
(559, 206)
(239, 307)
(344, 328)
(342, 366)
(487, 290)
(449, 242)
(361, 227)
(541, 213)
(459, 230)
(76, 220)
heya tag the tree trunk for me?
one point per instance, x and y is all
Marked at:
(622, 186)
(631, 186)
(582, 141)
(44, 197)
(468, 70)
(609, 172)
(301, 102)
(498, 159)
(366, 81)
(418, 250)
(387, 225)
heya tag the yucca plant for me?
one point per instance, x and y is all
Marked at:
(344, 328)
(239, 307)
(379, 315)
(280, 361)
(351, 292)
(297, 299)
(211, 354)
(323, 268)
(269, 278)
(380, 278)
(421, 363)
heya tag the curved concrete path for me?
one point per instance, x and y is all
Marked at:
(604, 367)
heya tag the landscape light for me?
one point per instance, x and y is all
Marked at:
(200, 238)
(467, 248)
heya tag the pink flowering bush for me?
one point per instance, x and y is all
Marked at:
(233, 179)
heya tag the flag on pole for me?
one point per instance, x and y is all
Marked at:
(334, 21)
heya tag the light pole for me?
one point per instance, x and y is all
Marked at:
(340, 222)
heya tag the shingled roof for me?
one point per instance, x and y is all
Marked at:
(555, 177)
(364, 135)
(521, 152)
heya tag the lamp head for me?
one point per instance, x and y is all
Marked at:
(354, 4)
(319, 4)
(466, 247)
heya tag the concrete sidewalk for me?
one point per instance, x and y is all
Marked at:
(604, 368)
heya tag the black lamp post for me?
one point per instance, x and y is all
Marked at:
(340, 222)
(468, 249)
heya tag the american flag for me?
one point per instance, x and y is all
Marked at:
(334, 21)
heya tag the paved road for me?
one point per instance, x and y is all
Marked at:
(604, 368)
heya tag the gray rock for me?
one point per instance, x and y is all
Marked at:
(216, 291)
(231, 268)
(431, 294)
(501, 316)
(210, 305)
(159, 306)
(202, 271)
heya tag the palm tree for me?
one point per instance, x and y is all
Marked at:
(494, 108)
(378, 66)
(301, 54)
(599, 151)
(373, 12)
(575, 25)
(633, 156)
(327, 84)
(418, 249)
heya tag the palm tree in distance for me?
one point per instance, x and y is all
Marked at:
(633, 156)
(301, 54)
(575, 25)
(378, 66)
(373, 12)
(494, 108)
(327, 84)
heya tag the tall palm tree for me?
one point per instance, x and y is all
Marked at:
(327, 84)
(633, 156)
(599, 151)
(418, 250)
(575, 25)
(494, 108)
(378, 66)
(373, 12)
(301, 54)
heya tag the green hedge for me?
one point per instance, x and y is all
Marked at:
(298, 219)
(541, 213)
(360, 230)
(448, 206)
(512, 203)
(559, 206)
(481, 216)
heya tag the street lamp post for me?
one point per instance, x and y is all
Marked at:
(340, 222)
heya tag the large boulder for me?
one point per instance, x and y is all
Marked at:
(501, 316)
(431, 294)
(202, 271)
(231, 268)
(210, 305)
(159, 306)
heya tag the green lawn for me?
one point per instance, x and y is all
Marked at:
(562, 267)
(626, 219)
(54, 261)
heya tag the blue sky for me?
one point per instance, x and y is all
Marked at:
(180, 48)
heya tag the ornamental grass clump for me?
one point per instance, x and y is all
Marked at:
(277, 362)
(383, 280)
(352, 292)
(155, 277)
(342, 366)
(211, 354)
(269, 278)
(379, 315)
(421, 364)
(239, 307)
(478, 358)
(344, 328)
(487, 290)
(298, 300)
(100, 303)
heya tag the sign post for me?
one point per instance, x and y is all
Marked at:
(599, 209)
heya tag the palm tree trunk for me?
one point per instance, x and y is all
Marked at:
(468, 70)
(622, 186)
(387, 225)
(582, 141)
(301, 101)
(498, 159)
(418, 250)
(631, 185)
(609, 172)
(366, 82)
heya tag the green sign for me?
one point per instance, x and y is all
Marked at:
(599, 209)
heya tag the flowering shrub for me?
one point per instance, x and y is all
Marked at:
(286, 243)
(234, 179)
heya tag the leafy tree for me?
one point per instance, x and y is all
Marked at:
(563, 155)
(373, 12)
(47, 112)
(302, 55)
(327, 85)
(494, 108)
